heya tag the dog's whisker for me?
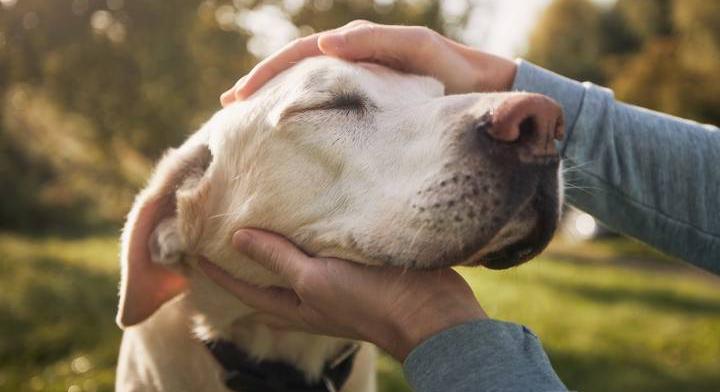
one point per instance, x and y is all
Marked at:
(576, 166)
(572, 185)
(227, 214)
(417, 234)
(585, 189)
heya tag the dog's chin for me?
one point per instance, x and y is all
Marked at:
(519, 251)
(501, 256)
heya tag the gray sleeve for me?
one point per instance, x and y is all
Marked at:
(481, 355)
(645, 174)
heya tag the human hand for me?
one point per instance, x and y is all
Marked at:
(412, 49)
(394, 308)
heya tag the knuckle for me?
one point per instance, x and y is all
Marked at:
(374, 34)
(371, 29)
(423, 30)
(361, 29)
(303, 284)
(274, 257)
(358, 22)
(424, 38)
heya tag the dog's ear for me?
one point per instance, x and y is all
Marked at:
(152, 228)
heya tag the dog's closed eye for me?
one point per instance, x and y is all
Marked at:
(347, 102)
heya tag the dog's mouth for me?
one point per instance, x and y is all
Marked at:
(455, 225)
(545, 207)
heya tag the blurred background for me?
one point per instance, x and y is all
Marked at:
(92, 92)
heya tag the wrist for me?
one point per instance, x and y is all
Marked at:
(493, 73)
(410, 332)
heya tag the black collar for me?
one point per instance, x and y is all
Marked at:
(245, 374)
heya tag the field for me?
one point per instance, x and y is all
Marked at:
(613, 316)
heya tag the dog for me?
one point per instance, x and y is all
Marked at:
(347, 160)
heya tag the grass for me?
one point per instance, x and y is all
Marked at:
(57, 306)
(613, 316)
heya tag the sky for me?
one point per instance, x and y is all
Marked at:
(510, 26)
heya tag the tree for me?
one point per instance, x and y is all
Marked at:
(125, 80)
(567, 39)
(660, 54)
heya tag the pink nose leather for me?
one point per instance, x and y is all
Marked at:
(532, 121)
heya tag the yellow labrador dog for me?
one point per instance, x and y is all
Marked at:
(347, 160)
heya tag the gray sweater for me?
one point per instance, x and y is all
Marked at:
(654, 177)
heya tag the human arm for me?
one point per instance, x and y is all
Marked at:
(428, 319)
(645, 174)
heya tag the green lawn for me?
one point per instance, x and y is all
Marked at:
(612, 315)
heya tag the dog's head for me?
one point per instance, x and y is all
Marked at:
(354, 161)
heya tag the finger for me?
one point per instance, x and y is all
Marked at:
(378, 43)
(272, 252)
(278, 62)
(274, 300)
(228, 96)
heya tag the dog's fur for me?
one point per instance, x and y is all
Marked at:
(347, 160)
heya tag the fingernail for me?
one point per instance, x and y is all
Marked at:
(225, 98)
(241, 239)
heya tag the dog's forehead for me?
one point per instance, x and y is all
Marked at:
(321, 73)
(309, 80)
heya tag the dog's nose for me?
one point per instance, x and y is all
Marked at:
(530, 121)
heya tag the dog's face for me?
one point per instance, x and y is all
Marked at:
(364, 163)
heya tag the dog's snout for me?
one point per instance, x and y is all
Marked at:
(530, 121)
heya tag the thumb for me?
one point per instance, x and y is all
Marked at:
(273, 252)
(274, 300)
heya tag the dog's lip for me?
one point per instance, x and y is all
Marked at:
(529, 246)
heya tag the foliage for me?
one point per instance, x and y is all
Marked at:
(660, 54)
(564, 47)
(59, 298)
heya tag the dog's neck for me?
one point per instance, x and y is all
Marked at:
(216, 314)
